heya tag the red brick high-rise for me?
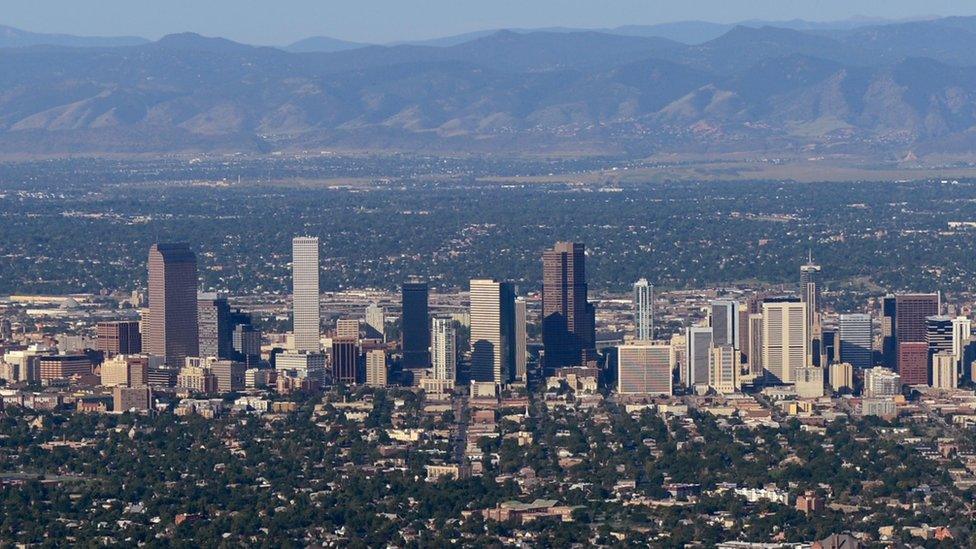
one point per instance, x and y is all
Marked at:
(568, 331)
(171, 330)
(119, 338)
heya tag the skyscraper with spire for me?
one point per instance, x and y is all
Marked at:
(810, 286)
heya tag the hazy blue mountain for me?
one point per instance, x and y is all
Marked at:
(874, 88)
(16, 38)
(323, 44)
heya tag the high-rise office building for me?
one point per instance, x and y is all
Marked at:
(810, 287)
(443, 346)
(376, 321)
(568, 319)
(699, 342)
(743, 325)
(889, 346)
(345, 360)
(645, 368)
(911, 310)
(938, 334)
(755, 345)
(643, 310)
(302, 365)
(376, 368)
(785, 339)
(214, 322)
(856, 340)
(881, 382)
(247, 344)
(128, 370)
(171, 330)
(347, 328)
(228, 374)
(119, 338)
(809, 382)
(841, 377)
(962, 331)
(944, 371)
(60, 367)
(723, 316)
(492, 331)
(521, 340)
(306, 312)
(723, 369)
(415, 324)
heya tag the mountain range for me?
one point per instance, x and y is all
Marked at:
(863, 87)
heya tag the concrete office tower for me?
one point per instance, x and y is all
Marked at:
(376, 321)
(305, 293)
(228, 374)
(944, 371)
(785, 338)
(881, 382)
(910, 328)
(645, 368)
(643, 310)
(841, 377)
(415, 324)
(809, 382)
(347, 328)
(856, 340)
(214, 322)
(247, 344)
(724, 317)
(723, 370)
(443, 346)
(699, 341)
(756, 344)
(743, 343)
(938, 334)
(127, 370)
(492, 331)
(302, 365)
(962, 331)
(171, 330)
(521, 340)
(568, 319)
(679, 344)
(119, 338)
(345, 360)
(376, 368)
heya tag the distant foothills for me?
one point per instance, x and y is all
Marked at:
(885, 89)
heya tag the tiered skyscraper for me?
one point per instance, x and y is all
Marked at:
(171, 330)
(305, 293)
(568, 331)
(415, 325)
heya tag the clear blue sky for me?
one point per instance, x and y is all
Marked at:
(284, 21)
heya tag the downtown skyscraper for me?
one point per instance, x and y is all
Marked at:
(305, 293)
(911, 335)
(172, 330)
(643, 310)
(492, 331)
(443, 346)
(415, 324)
(855, 340)
(785, 340)
(568, 331)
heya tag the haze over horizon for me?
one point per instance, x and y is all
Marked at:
(383, 21)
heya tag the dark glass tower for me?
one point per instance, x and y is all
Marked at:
(415, 325)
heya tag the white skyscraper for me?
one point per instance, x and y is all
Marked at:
(962, 329)
(645, 369)
(492, 331)
(856, 340)
(305, 293)
(443, 348)
(643, 310)
(376, 368)
(376, 319)
(723, 369)
(944, 371)
(785, 340)
(521, 340)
